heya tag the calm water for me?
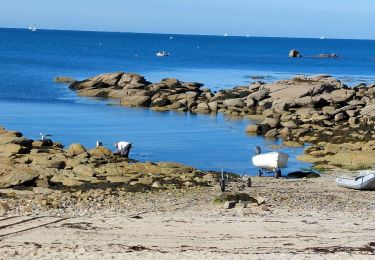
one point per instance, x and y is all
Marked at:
(32, 103)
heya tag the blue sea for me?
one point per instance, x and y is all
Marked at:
(31, 103)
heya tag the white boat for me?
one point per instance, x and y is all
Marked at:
(271, 161)
(322, 37)
(364, 181)
(162, 54)
(33, 29)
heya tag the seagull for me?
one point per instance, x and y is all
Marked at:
(43, 136)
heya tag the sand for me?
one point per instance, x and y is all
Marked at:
(301, 219)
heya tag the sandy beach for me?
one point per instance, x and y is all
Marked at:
(300, 219)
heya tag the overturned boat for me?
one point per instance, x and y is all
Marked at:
(272, 161)
(364, 181)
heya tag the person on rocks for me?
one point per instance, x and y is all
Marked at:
(123, 148)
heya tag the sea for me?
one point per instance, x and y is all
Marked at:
(32, 103)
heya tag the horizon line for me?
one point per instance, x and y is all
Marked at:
(191, 34)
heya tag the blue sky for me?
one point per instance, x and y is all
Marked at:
(289, 18)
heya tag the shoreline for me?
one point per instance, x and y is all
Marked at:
(168, 210)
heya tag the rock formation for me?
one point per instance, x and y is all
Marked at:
(304, 109)
(28, 163)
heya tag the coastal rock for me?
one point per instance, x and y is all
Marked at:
(341, 95)
(213, 106)
(271, 133)
(108, 78)
(88, 84)
(259, 95)
(16, 140)
(229, 204)
(93, 92)
(368, 111)
(294, 54)
(132, 80)
(160, 102)
(62, 79)
(203, 108)
(100, 151)
(236, 102)
(136, 101)
(252, 128)
(77, 149)
(12, 176)
(339, 117)
(8, 150)
(271, 122)
(50, 161)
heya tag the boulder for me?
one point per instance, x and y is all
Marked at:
(259, 95)
(252, 128)
(12, 176)
(339, 117)
(88, 84)
(132, 79)
(368, 111)
(77, 149)
(52, 162)
(271, 122)
(290, 124)
(108, 78)
(100, 151)
(235, 102)
(213, 105)
(62, 79)
(341, 95)
(83, 170)
(294, 54)
(202, 108)
(15, 140)
(160, 102)
(283, 104)
(8, 150)
(271, 133)
(136, 101)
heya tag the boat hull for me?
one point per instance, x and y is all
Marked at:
(271, 161)
(364, 181)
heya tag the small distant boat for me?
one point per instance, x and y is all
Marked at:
(364, 181)
(225, 34)
(322, 37)
(171, 38)
(33, 28)
(162, 54)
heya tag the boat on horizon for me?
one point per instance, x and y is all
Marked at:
(322, 37)
(162, 54)
(32, 28)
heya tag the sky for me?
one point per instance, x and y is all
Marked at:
(285, 18)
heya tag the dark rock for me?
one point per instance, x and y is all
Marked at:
(294, 54)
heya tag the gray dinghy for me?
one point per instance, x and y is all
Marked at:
(364, 181)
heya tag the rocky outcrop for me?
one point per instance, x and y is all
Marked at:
(294, 54)
(28, 163)
(311, 109)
